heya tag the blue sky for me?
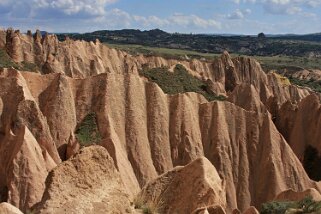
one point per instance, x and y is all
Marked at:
(186, 16)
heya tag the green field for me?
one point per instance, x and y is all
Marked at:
(164, 52)
(292, 63)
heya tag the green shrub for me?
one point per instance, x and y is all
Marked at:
(315, 85)
(87, 132)
(179, 81)
(7, 62)
(306, 205)
(276, 207)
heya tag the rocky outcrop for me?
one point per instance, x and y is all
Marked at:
(86, 183)
(239, 154)
(26, 155)
(24, 168)
(251, 210)
(300, 124)
(2, 39)
(216, 209)
(73, 147)
(247, 97)
(185, 189)
(6, 208)
(311, 74)
(20, 108)
(283, 91)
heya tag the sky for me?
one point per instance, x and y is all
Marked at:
(183, 16)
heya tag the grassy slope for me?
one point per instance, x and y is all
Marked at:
(179, 81)
(7, 62)
(164, 52)
(288, 62)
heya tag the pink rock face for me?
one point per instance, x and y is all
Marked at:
(25, 167)
(245, 140)
(185, 189)
(301, 124)
(72, 147)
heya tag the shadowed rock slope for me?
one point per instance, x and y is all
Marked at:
(146, 132)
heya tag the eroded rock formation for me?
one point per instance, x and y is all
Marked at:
(247, 139)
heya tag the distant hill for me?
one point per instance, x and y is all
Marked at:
(289, 45)
(316, 37)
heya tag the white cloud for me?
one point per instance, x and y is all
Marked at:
(116, 17)
(193, 21)
(314, 3)
(277, 2)
(97, 11)
(239, 14)
(43, 8)
(4, 2)
(293, 10)
(150, 21)
(90, 15)
(281, 7)
(288, 7)
(70, 7)
(243, 1)
(291, 2)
